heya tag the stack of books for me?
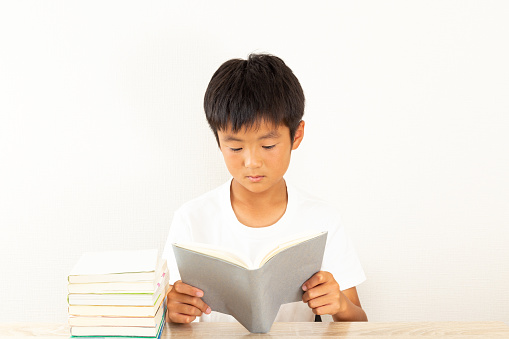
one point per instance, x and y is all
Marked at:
(118, 294)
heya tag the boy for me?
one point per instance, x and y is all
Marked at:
(255, 108)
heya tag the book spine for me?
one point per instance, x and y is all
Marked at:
(261, 302)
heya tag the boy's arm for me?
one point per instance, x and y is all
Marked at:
(323, 295)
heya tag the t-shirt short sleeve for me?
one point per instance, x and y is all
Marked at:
(179, 232)
(340, 258)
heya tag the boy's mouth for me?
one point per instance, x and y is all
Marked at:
(255, 178)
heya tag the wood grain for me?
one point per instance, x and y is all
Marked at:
(346, 330)
(39, 330)
(397, 330)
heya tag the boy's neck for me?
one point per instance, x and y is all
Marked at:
(259, 209)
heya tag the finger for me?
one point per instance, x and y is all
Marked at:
(182, 313)
(194, 301)
(186, 309)
(326, 309)
(317, 279)
(322, 301)
(316, 292)
(183, 288)
(181, 318)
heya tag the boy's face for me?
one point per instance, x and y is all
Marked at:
(257, 158)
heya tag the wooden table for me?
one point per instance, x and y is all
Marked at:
(395, 330)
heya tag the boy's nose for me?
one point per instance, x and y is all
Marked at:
(252, 160)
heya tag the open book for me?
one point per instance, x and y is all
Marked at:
(251, 292)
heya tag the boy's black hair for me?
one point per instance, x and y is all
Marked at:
(242, 93)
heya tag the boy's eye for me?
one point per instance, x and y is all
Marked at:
(235, 149)
(269, 147)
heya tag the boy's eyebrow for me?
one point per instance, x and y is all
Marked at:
(271, 135)
(231, 138)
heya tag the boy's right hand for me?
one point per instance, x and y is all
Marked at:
(184, 303)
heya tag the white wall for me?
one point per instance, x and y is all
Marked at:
(103, 136)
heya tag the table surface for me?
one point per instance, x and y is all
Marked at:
(396, 330)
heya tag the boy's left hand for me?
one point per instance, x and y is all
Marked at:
(322, 293)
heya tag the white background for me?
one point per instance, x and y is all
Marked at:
(103, 136)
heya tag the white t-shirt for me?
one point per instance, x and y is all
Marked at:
(210, 219)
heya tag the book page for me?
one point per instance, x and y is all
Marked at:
(287, 244)
(217, 252)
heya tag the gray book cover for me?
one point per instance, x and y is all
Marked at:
(253, 297)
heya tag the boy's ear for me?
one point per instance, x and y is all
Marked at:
(299, 135)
